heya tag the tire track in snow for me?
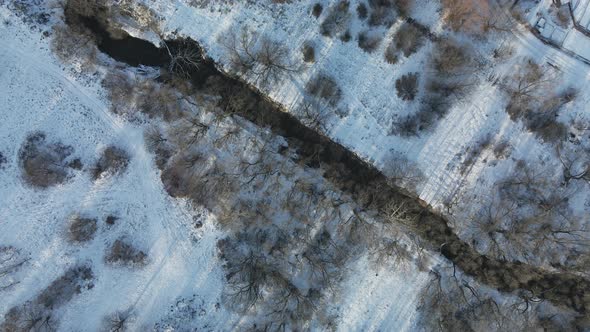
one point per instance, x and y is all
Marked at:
(456, 130)
(70, 84)
(99, 195)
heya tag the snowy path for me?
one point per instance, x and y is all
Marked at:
(38, 94)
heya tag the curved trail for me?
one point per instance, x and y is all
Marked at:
(177, 236)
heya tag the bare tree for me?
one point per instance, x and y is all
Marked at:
(407, 86)
(529, 219)
(325, 88)
(337, 19)
(475, 17)
(185, 57)
(528, 84)
(119, 321)
(265, 59)
(11, 261)
(576, 164)
(401, 172)
(408, 39)
(44, 163)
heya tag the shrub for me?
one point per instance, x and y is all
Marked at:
(110, 220)
(362, 11)
(74, 43)
(158, 144)
(113, 160)
(157, 100)
(563, 17)
(317, 10)
(431, 110)
(3, 161)
(450, 58)
(369, 41)
(118, 321)
(11, 261)
(29, 316)
(336, 20)
(403, 7)
(391, 53)
(469, 16)
(124, 253)
(44, 163)
(82, 229)
(308, 52)
(408, 39)
(120, 88)
(267, 60)
(382, 12)
(502, 150)
(37, 314)
(346, 36)
(63, 289)
(324, 87)
(545, 125)
(407, 86)
(76, 164)
(473, 152)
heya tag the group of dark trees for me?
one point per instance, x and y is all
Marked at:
(290, 232)
(528, 218)
(45, 163)
(38, 313)
(258, 56)
(452, 76)
(452, 301)
(534, 101)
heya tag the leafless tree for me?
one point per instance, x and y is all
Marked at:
(407, 86)
(337, 19)
(113, 160)
(325, 88)
(11, 261)
(119, 321)
(188, 131)
(401, 172)
(265, 59)
(185, 57)
(576, 164)
(408, 39)
(530, 219)
(308, 51)
(528, 82)
(44, 163)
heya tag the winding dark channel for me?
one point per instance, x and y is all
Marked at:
(358, 178)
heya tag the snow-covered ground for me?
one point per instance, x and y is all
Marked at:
(38, 94)
(183, 275)
(367, 84)
(370, 104)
